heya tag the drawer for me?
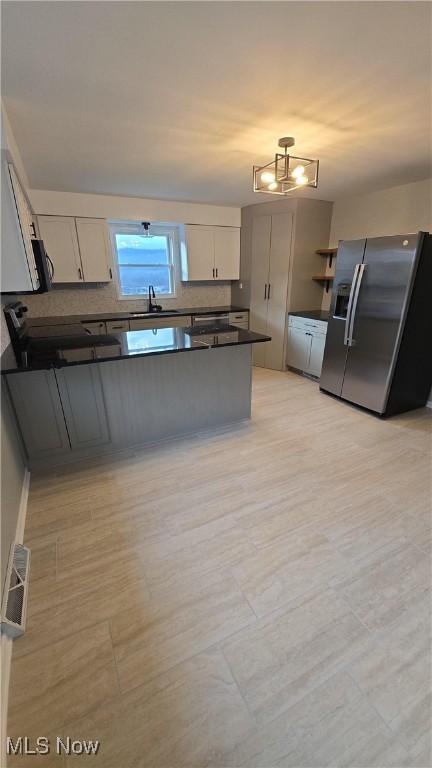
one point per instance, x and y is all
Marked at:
(235, 318)
(160, 322)
(97, 328)
(245, 326)
(306, 324)
(117, 325)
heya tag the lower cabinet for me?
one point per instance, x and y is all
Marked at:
(316, 354)
(37, 404)
(80, 390)
(59, 411)
(306, 342)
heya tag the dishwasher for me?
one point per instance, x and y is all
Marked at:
(213, 321)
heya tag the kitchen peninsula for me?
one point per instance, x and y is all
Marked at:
(77, 395)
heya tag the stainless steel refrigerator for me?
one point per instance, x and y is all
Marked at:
(378, 351)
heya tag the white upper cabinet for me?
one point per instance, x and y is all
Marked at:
(227, 253)
(211, 253)
(94, 250)
(78, 248)
(61, 244)
(18, 268)
(198, 263)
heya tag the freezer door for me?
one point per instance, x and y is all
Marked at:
(384, 286)
(350, 254)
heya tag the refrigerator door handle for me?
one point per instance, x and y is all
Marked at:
(351, 341)
(350, 304)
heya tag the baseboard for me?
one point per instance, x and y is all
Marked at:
(6, 642)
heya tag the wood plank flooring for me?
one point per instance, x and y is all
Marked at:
(255, 596)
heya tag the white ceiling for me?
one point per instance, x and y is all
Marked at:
(179, 100)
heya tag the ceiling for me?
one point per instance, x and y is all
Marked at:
(178, 100)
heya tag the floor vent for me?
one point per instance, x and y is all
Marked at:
(14, 608)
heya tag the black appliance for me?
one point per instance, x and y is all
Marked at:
(44, 266)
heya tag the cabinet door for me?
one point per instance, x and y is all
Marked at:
(17, 274)
(259, 281)
(280, 252)
(94, 250)
(61, 243)
(25, 218)
(227, 253)
(299, 346)
(40, 416)
(316, 354)
(200, 252)
(83, 404)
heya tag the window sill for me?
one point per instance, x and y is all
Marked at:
(144, 297)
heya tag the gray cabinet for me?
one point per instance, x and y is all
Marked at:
(37, 404)
(80, 389)
(59, 411)
(271, 251)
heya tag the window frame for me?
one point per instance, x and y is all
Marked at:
(171, 231)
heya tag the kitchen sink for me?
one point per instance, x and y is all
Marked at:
(154, 314)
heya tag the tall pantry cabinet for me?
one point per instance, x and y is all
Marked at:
(271, 247)
(278, 261)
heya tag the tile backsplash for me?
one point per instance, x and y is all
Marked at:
(103, 298)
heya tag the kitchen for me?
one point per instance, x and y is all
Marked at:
(215, 440)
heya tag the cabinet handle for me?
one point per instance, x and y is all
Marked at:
(265, 291)
(80, 273)
(213, 273)
(268, 292)
(110, 273)
(217, 272)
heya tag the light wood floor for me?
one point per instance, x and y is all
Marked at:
(254, 597)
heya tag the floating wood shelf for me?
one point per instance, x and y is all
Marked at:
(327, 279)
(329, 254)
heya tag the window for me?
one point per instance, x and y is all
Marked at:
(144, 259)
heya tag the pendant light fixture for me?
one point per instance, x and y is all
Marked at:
(146, 227)
(285, 173)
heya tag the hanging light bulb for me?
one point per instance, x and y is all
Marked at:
(267, 177)
(298, 171)
(302, 179)
(273, 185)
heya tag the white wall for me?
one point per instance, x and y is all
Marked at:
(407, 208)
(393, 211)
(134, 208)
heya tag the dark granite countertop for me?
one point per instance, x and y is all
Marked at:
(126, 315)
(58, 351)
(312, 314)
